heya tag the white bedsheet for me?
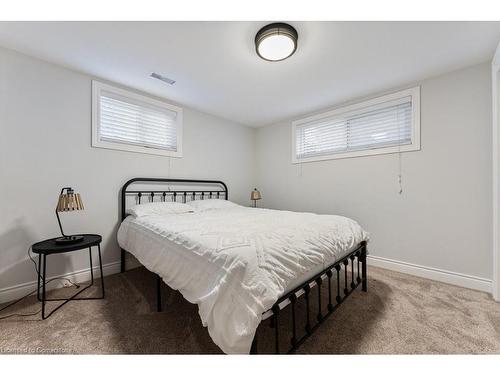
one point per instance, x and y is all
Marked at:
(235, 263)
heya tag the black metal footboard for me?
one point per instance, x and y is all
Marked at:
(353, 263)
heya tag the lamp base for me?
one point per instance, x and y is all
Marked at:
(67, 240)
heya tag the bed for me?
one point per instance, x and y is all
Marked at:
(242, 265)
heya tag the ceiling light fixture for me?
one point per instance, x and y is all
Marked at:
(276, 41)
(162, 78)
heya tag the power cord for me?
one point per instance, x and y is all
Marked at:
(36, 290)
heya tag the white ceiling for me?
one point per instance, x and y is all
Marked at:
(217, 70)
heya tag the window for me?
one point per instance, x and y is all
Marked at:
(123, 120)
(390, 123)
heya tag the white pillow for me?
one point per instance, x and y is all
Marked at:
(211, 204)
(159, 208)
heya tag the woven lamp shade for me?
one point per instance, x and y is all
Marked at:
(69, 202)
(255, 196)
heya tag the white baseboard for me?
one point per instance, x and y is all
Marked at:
(17, 291)
(449, 277)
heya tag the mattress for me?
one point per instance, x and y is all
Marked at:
(235, 263)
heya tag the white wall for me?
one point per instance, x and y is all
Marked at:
(495, 110)
(496, 187)
(45, 143)
(443, 218)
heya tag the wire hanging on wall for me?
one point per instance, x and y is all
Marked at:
(299, 170)
(400, 174)
(400, 157)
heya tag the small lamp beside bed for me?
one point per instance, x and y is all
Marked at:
(255, 196)
(68, 201)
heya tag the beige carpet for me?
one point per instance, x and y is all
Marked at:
(399, 314)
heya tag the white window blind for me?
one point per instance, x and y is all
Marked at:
(123, 121)
(386, 125)
(132, 122)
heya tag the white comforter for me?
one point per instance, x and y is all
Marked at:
(236, 262)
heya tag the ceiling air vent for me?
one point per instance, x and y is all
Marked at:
(163, 78)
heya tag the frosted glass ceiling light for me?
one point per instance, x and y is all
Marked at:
(276, 41)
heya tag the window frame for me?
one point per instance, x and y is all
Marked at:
(98, 87)
(413, 92)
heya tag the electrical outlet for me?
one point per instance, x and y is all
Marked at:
(66, 284)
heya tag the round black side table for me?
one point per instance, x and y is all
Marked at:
(49, 247)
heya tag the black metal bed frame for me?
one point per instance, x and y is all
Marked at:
(331, 275)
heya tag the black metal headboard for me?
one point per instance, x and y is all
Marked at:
(171, 192)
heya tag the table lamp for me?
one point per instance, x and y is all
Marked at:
(68, 201)
(255, 196)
